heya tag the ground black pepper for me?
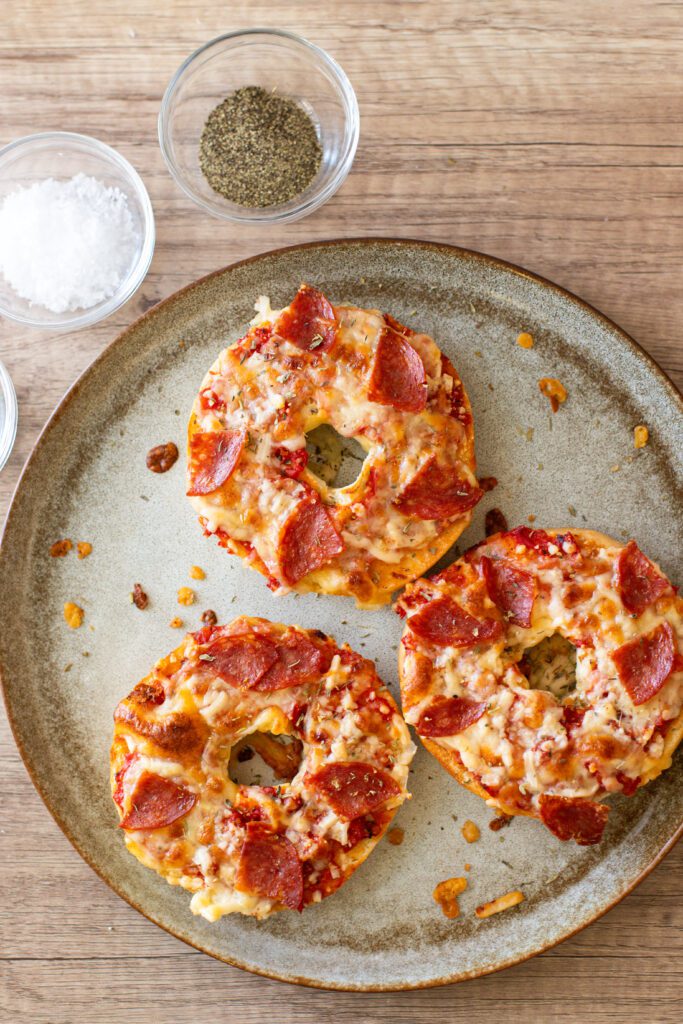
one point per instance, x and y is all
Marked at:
(259, 148)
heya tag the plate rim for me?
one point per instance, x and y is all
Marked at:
(459, 252)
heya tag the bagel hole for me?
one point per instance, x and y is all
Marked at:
(336, 459)
(551, 666)
(263, 759)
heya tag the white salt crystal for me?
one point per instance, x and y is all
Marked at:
(66, 245)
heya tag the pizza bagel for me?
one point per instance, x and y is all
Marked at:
(543, 670)
(370, 379)
(257, 849)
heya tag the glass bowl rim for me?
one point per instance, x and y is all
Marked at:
(8, 432)
(136, 276)
(258, 214)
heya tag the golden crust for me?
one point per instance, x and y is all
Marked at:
(454, 766)
(673, 738)
(449, 759)
(380, 580)
(412, 691)
(189, 725)
(166, 666)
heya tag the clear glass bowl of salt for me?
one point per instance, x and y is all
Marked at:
(76, 230)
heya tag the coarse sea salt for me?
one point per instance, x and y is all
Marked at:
(67, 245)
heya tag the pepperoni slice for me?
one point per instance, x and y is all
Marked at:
(573, 818)
(353, 788)
(269, 866)
(212, 458)
(444, 623)
(645, 663)
(447, 716)
(241, 660)
(637, 581)
(398, 375)
(512, 590)
(292, 463)
(259, 663)
(298, 661)
(157, 802)
(309, 540)
(437, 492)
(309, 321)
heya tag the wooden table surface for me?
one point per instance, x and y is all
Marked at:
(547, 133)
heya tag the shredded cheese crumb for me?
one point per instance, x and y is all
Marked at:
(60, 548)
(641, 436)
(553, 390)
(395, 836)
(510, 899)
(264, 312)
(446, 895)
(73, 615)
(175, 623)
(186, 596)
(196, 573)
(84, 548)
(470, 832)
(525, 340)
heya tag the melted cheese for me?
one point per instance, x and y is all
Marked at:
(521, 739)
(336, 728)
(265, 314)
(267, 394)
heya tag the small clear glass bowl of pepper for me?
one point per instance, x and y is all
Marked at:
(276, 61)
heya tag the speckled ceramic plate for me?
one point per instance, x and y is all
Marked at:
(87, 480)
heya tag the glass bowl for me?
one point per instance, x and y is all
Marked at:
(8, 415)
(61, 155)
(272, 59)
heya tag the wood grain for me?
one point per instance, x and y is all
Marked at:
(546, 133)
